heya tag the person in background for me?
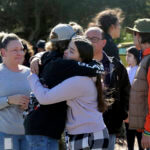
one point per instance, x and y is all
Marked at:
(139, 103)
(29, 52)
(40, 46)
(132, 58)
(2, 34)
(109, 21)
(117, 85)
(77, 28)
(48, 46)
(14, 94)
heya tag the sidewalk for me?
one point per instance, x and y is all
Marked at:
(124, 146)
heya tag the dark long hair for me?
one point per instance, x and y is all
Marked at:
(108, 17)
(85, 48)
(102, 106)
(29, 52)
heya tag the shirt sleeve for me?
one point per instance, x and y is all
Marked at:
(66, 90)
(147, 123)
(38, 55)
(79, 69)
(3, 102)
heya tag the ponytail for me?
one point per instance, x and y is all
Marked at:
(100, 98)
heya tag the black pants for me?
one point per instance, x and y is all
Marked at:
(131, 134)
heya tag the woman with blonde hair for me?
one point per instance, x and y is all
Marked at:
(14, 94)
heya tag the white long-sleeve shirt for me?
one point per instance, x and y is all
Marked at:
(81, 95)
(131, 73)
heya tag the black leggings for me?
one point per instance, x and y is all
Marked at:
(131, 134)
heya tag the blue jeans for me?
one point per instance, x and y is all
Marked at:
(112, 141)
(13, 142)
(38, 142)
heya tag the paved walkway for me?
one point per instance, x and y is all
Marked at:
(124, 146)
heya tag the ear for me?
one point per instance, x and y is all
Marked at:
(104, 42)
(3, 52)
(138, 35)
(138, 44)
(111, 28)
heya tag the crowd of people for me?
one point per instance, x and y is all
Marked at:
(74, 85)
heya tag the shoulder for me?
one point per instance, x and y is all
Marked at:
(128, 69)
(145, 63)
(145, 59)
(44, 55)
(59, 62)
(24, 68)
(79, 78)
(110, 41)
(4, 69)
(107, 37)
(1, 67)
(80, 81)
(117, 62)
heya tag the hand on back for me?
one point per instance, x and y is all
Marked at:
(34, 65)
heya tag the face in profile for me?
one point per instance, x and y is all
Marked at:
(116, 30)
(72, 52)
(131, 61)
(137, 40)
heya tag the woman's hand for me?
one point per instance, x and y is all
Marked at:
(145, 141)
(20, 100)
(34, 65)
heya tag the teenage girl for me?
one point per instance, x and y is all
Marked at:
(85, 124)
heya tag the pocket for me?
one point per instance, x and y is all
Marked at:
(78, 142)
(35, 141)
(37, 120)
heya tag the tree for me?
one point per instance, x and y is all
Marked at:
(33, 19)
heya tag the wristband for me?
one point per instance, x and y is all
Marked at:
(7, 101)
(146, 133)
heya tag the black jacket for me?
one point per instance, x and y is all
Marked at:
(116, 80)
(0, 59)
(49, 120)
(110, 48)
